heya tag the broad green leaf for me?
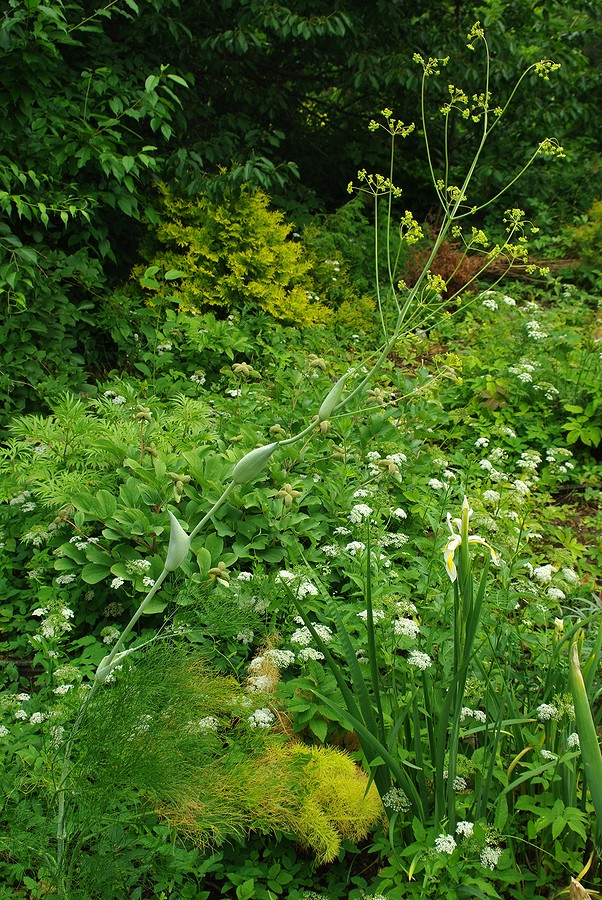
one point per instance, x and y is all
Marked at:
(93, 573)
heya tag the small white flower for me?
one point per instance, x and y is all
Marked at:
(491, 496)
(398, 458)
(466, 829)
(4, 731)
(490, 856)
(390, 539)
(407, 628)
(208, 723)
(23, 698)
(40, 611)
(481, 442)
(63, 689)
(234, 392)
(555, 593)
(361, 493)
(118, 400)
(309, 653)
(459, 784)
(65, 579)
(569, 576)
(282, 659)
(355, 547)
(544, 574)
(489, 303)
(521, 487)
(148, 582)
(306, 589)
(330, 550)
(110, 634)
(117, 582)
(420, 660)
(244, 576)
(301, 636)
(445, 843)
(262, 718)
(377, 615)
(21, 715)
(399, 513)
(360, 512)
(37, 718)
(547, 754)
(507, 431)
(572, 741)
(436, 484)
(396, 800)
(545, 712)
(263, 683)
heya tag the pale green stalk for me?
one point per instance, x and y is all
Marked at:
(586, 729)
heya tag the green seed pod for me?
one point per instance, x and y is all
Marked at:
(249, 467)
(331, 400)
(179, 545)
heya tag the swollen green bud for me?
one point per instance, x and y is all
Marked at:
(249, 467)
(179, 545)
(331, 400)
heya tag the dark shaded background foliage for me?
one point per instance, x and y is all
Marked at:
(97, 102)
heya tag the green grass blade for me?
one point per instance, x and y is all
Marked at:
(588, 737)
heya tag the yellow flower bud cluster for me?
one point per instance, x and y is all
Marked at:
(544, 67)
(476, 33)
(375, 184)
(551, 147)
(430, 66)
(392, 126)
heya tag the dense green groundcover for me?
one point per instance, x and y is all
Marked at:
(483, 405)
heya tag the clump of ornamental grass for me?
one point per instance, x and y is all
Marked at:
(334, 799)
(168, 735)
(195, 748)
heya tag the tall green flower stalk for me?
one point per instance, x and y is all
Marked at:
(468, 605)
(412, 307)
